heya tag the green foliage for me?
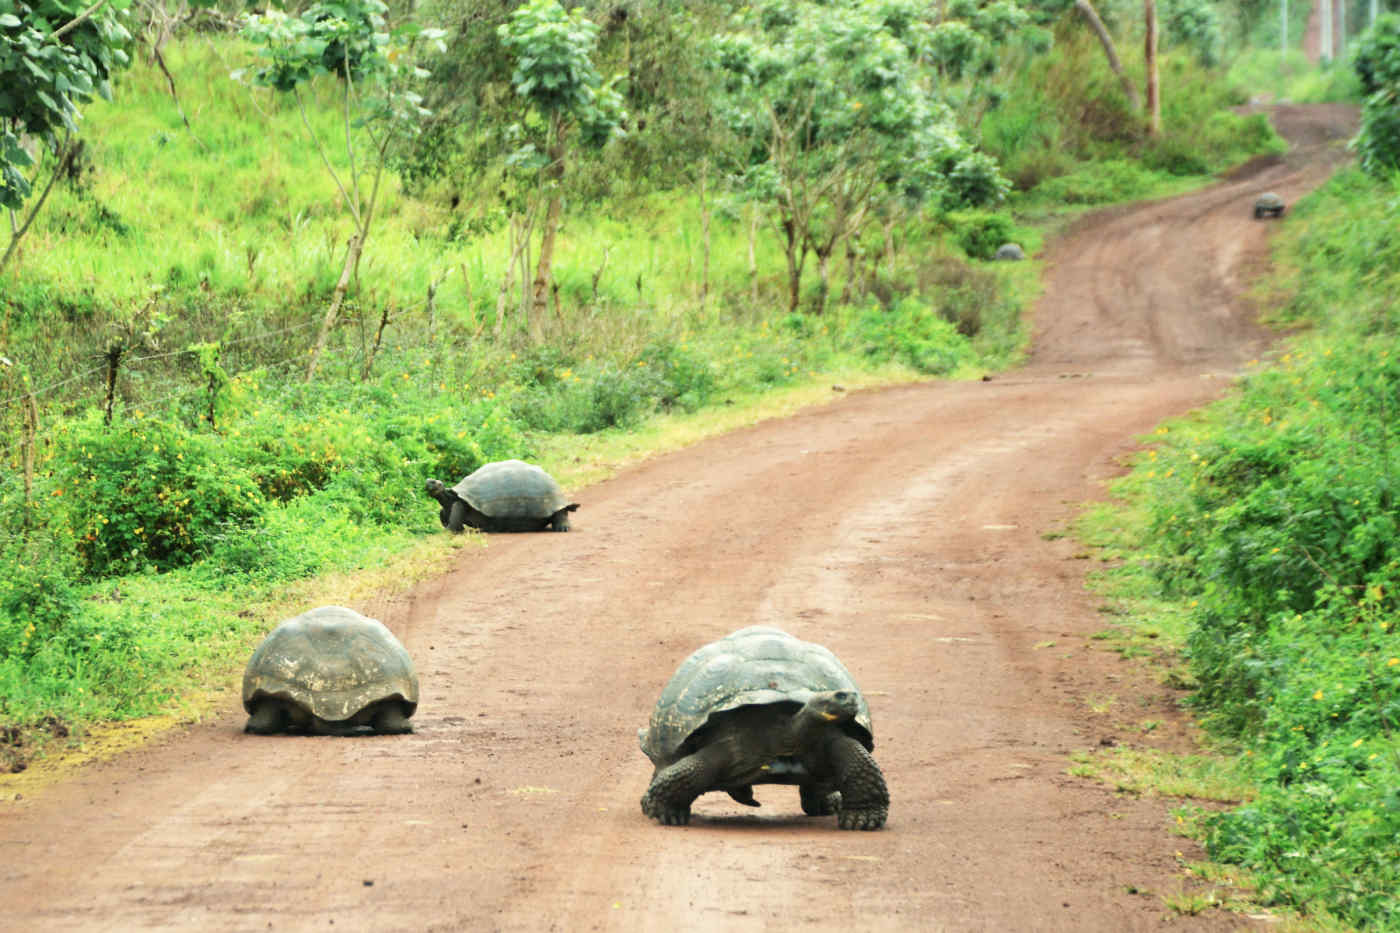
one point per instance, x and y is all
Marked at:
(1273, 523)
(914, 333)
(1065, 110)
(1195, 24)
(145, 494)
(54, 56)
(833, 117)
(980, 233)
(1377, 64)
(554, 68)
(46, 73)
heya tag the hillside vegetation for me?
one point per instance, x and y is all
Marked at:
(182, 461)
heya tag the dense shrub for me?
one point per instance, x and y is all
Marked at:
(979, 233)
(146, 493)
(1377, 64)
(913, 333)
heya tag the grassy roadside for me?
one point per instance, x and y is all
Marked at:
(1253, 558)
(212, 687)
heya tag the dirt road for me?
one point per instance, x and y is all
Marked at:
(905, 529)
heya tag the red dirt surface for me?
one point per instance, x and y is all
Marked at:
(905, 529)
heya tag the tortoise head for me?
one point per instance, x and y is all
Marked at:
(436, 489)
(834, 706)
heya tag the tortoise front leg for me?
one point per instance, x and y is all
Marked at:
(457, 516)
(674, 788)
(389, 719)
(559, 521)
(865, 800)
(268, 717)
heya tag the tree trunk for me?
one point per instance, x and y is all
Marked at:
(849, 285)
(1092, 17)
(539, 299)
(507, 279)
(889, 245)
(824, 274)
(704, 237)
(1154, 102)
(352, 259)
(753, 260)
(1325, 8)
(796, 251)
(29, 434)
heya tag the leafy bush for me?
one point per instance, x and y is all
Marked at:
(1377, 64)
(1196, 25)
(688, 380)
(913, 333)
(980, 233)
(146, 493)
(38, 592)
(1103, 183)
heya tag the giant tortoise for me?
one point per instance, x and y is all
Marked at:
(762, 707)
(330, 671)
(1268, 204)
(508, 495)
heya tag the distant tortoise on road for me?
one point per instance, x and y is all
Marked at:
(330, 671)
(508, 495)
(1010, 252)
(763, 707)
(1268, 204)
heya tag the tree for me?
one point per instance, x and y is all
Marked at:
(377, 71)
(836, 115)
(1091, 16)
(1154, 100)
(54, 56)
(555, 75)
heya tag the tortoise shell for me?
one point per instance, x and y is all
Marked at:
(331, 662)
(510, 489)
(757, 665)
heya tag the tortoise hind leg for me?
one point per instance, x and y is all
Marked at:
(390, 719)
(674, 788)
(268, 717)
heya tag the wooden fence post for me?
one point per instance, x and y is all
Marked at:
(28, 440)
(114, 359)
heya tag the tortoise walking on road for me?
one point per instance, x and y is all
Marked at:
(508, 495)
(763, 707)
(330, 671)
(1268, 204)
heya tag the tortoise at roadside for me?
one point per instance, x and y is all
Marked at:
(508, 495)
(762, 707)
(330, 671)
(1268, 204)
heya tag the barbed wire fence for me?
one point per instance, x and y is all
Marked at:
(124, 382)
